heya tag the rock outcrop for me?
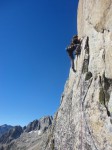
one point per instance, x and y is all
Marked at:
(41, 124)
(83, 120)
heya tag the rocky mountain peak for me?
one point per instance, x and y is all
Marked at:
(32, 126)
(41, 124)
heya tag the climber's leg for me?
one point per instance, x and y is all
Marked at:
(72, 65)
(71, 55)
(78, 50)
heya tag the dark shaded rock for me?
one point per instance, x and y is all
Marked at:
(12, 134)
(1, 148)
(41, 124)
(33, 126)
(4, 128)
(24, 128)
(88, 76)
(45, 122)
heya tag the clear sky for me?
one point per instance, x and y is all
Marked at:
(33, 62)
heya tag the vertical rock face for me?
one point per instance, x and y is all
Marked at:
(83, 120)
(95, 21)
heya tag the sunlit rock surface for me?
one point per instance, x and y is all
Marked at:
(83, 120)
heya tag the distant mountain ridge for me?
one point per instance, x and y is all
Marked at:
(12, 134)
(15, 136)
(4, 128)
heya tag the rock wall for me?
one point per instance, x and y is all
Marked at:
(95, 21)
(83, 121)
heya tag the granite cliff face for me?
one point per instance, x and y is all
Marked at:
(83, 120)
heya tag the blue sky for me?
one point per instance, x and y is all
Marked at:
(33, 62)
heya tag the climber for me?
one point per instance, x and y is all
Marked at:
(74, 48)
